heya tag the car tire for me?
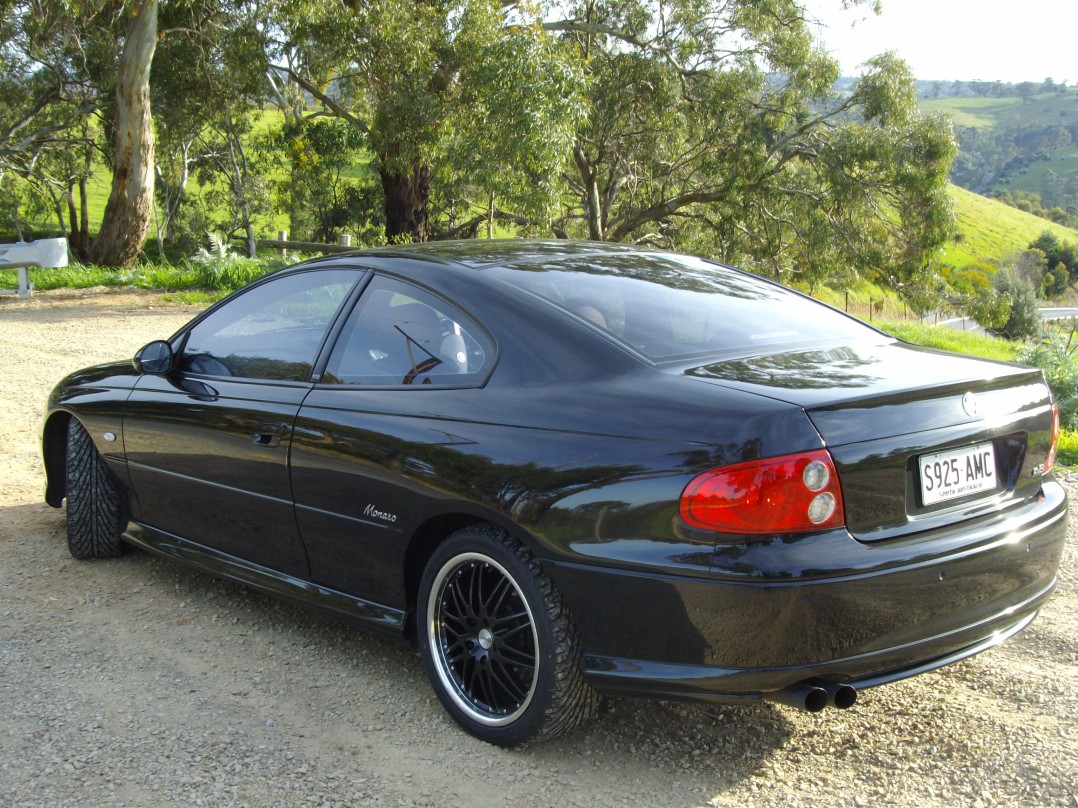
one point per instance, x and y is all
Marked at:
(497, 643)
(94, 505)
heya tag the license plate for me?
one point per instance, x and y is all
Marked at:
(957, 473)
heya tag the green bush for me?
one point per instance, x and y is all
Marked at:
(1024, 321)
(1067, 450)
(1057, 356)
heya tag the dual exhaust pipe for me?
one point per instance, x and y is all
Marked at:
(814, 695)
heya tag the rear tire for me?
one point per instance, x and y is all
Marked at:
(497, 644)
(94, 504)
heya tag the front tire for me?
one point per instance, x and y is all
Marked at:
(94, 505)
(496, 642)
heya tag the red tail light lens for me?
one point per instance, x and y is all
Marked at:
(790, 494)
(1051, 461)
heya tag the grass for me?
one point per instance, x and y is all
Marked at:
(202, 279)
(1067, 449)
(989, 113)
(980, 113)
(989, 231)
(1045, 109)
(949, 339)
(1064, 162)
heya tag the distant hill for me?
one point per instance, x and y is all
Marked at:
(1014, 144)
(1040, 109)
(988, 230)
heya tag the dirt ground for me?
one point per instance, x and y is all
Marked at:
(139, 682)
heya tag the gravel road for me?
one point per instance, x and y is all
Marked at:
(139, 682)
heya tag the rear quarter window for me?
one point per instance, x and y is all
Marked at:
(668, 307)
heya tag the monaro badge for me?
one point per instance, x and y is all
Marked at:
(969, 404)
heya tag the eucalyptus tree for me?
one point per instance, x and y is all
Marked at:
(440, 91)
(129, 210)
(208, 78)
(46, 96)
(715, 128)
(67, 59)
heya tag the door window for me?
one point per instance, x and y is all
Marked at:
(401, 335)
(273, 331)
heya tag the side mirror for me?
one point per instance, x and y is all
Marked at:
(156, 358)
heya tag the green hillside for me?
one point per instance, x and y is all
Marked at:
(1017, 141)
(1064, 162)
(1045, 108)
(989, 230)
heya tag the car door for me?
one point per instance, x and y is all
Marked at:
(404, 359)
(207, 443)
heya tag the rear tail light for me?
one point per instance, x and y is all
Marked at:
(791, 494)
(1050, 463)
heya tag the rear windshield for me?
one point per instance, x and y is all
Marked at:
(672, 306)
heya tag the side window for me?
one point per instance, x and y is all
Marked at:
(272, 331)
(400, 335)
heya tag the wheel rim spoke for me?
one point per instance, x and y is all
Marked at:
(517, 657)
(506, 681)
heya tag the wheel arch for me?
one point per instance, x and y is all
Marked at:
(425, 540)
(54, 454)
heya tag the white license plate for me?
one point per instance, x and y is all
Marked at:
(957, 473)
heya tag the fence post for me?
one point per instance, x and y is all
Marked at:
(346, 240)
(282, 235)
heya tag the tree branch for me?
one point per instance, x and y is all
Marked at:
(338, 110)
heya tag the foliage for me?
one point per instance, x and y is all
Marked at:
(1057, 253)
(1023, 321)
(328, 186)
(989, 309)
(420, 81)
(1067, 449)
(1057, 355)
(735, 146)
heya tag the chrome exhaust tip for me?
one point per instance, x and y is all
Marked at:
(803, 696)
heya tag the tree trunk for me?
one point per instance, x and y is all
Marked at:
(129, 211)
(407, 205)
(84, 207)
(592, 206)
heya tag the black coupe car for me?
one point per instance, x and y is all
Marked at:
(568, 469)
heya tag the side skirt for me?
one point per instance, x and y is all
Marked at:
(373, 616)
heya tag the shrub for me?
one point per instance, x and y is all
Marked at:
(1024, 321)
(1057, 356)
(221, 268)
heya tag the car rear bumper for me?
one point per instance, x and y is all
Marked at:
(861, 614)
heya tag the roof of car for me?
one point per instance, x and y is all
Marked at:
(479, 253)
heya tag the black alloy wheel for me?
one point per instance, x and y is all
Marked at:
(496, 642)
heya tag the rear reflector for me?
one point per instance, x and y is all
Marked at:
(791, 494)
(1050, 463)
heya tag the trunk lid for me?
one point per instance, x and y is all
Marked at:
(898, 418)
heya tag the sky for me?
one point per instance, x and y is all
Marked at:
(986, 40)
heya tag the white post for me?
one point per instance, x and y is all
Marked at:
(282, 235)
